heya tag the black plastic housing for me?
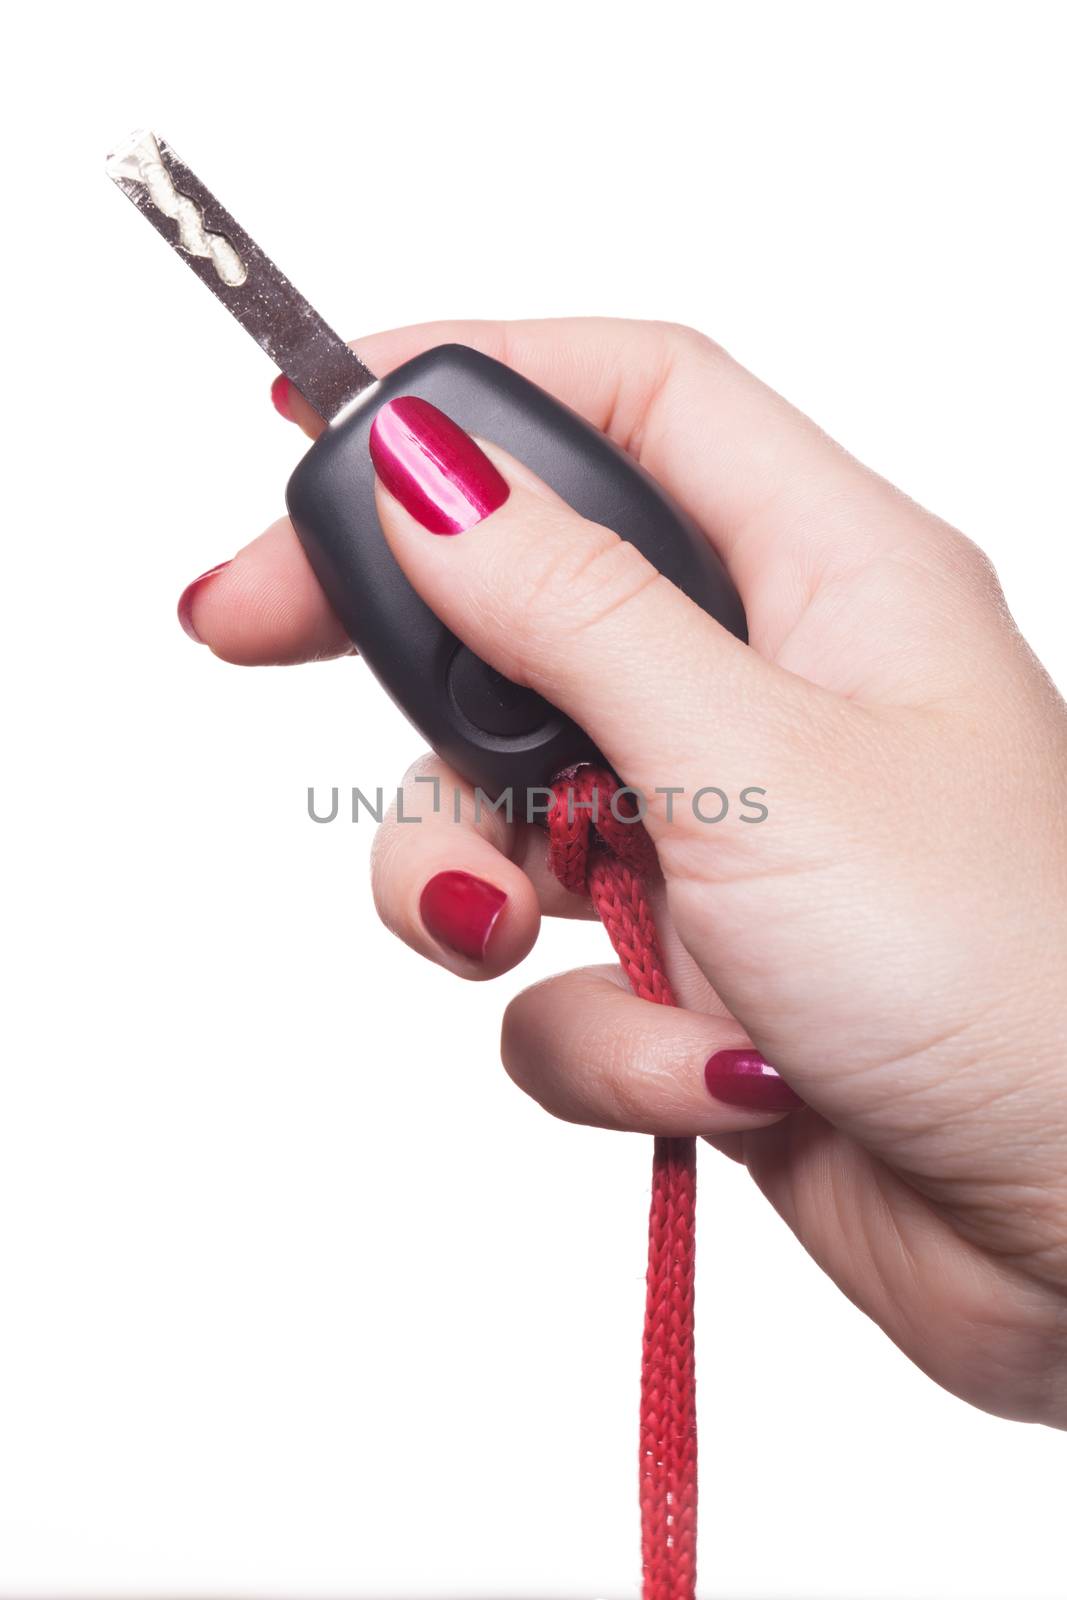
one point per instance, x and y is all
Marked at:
(494, 733)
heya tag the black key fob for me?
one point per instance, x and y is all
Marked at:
(496, 734)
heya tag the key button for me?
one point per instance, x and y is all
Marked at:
(492, 702)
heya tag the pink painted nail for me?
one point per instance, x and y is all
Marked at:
(432, 467)
(279, 393)
(743, 1078)
(189, 594)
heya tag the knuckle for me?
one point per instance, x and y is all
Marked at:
(975, 567)
(519, 1034)
(967, 566)
(586, 1077)
(583, 585)
(683, 344)
(673, 348)
(621, 1092)
(530, 1050)
(683, 339)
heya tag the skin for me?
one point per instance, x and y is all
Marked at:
(893, 939)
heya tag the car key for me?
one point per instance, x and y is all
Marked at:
(497, 734)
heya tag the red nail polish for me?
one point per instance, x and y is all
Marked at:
(432, 467)
(460, 911)
(743, 1078)
(188, 595)
(279, 393)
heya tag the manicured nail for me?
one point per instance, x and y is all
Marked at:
(279, 393)
(743, 1078)
(188, 595)
(432, 467)
(461, 911)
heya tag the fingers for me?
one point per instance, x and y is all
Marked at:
(466, 895)
(605, 369)
(589, 1051)
(290, 404)
(438, 831)
(457, 882)
(265, 607)
(759, 475)
(784, 504)
(567, 608)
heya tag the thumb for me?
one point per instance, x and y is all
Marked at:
(566, 607)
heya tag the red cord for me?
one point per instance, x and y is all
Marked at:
(591, 850)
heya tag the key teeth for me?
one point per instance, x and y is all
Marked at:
(139, 160)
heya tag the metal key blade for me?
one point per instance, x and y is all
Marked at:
(320, 364)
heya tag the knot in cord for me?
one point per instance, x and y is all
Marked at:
(597, 845)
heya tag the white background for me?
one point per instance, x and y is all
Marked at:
(298, 1296)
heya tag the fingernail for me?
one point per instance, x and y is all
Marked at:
(188, 595)
(279, 393)
(743, 1078)
(432, 467)
(460, 911)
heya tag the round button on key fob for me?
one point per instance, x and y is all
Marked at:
(493, 739)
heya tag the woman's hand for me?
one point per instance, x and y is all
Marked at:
(892, 937)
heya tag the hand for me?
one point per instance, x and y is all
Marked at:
(893, 937)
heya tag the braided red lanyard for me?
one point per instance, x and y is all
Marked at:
(591, 851)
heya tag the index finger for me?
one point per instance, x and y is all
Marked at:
(753, 471)
(265, 606)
